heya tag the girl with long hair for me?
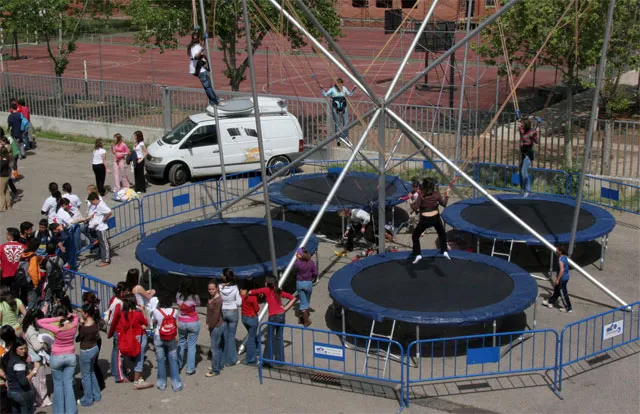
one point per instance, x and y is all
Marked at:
(138, 168)
(88, 337)
(216, 329)
(99, 165)
(199, 67)
(11, 310)
(14, 366)
(120, 151)
(133, 319)
(231, 301)
(273, 296)
(250, 309)
(115, 311)
(188, 324)
(430, 217)
(306, 273)
(35, 346)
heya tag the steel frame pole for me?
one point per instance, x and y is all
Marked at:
(416, 135)
(414, 43)
(256, 110)
(382, 182)
(592, 121)
(337, 49)
(462, 84)
(215, 107)
(449, 52)
(320, 47)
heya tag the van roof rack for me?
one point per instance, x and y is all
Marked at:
(237, 107)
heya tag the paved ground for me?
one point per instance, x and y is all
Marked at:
(612, 387)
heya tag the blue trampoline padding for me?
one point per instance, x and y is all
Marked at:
(523, 295)
(401, 189)
(147, 254)
(603, 225)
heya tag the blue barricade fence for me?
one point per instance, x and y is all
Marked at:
(595, 335)
(481, 355)
(126, 216)
(333, 352)
(607, 192)
(77, 283)
(506, 177)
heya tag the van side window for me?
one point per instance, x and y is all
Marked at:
(202, 137)
(234, 132)
(251, 132)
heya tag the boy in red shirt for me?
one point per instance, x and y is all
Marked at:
(10, 253)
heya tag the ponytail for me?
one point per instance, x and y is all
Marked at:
(273, 285)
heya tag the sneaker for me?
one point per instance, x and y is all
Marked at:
(211, 374)
(417, 259)
(546, 303)
(446, 254)
(565, 310)
(526, 194)
(103, 264)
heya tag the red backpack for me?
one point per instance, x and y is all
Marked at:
(128, 344)
(168, 328)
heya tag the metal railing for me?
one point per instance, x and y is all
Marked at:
(507, 178)
(78, 283)
(612, 193)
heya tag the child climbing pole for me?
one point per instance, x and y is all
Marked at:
(199, 67)
(338, 94)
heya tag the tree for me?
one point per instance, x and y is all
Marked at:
(166, 20)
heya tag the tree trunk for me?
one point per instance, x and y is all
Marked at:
(59, 96)
(568, 135)
(15, 42)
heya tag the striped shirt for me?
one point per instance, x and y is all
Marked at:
(529, 137)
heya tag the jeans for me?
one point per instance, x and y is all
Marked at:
(251, 344)
(230, 325)
(143, 350)
(275, 339)
(24, 400)
(341, 119)
(76, 234)
(526, 158)
(90, 385)
(561, 288)
(116, 361)
(425, 223)
(205, 80)
(167, 350)
(63, 369)
(304, 288)
(216, 352)
(187, 339)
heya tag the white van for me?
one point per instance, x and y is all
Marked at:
(191, 149)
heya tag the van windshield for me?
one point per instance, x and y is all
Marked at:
(179, 132)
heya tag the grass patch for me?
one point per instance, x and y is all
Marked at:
(80, 139)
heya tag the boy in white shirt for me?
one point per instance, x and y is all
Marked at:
(100, 213)
(50, 204)
(359, 222)
(74, 200)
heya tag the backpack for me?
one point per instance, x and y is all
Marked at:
(168, 328)
(339, 103)
(24, 123)
(132, 158)
(55, 276)
(22, 276)
(128, 344)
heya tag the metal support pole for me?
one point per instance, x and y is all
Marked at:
(324, 50)
(414, 43)
(451, 51)
(256, 110)
(215, 107)
(409, 131)
(382, 183)
(592, 121)
(462, 85)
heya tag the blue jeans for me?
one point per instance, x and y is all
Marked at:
(341, 119)
(24, 400)
(167, 350)
(216, 352)
(525, 178)
(304, 289)
(63, 369)
(251, 344)
(188, 338)
(206, 85)
(230, 325)
(275, 339)
(116, 361)
(76, 234)
(90, 385)
(143, 350)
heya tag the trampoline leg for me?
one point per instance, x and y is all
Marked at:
(417, 339)
(477, 244)
(551, 265)
(495, 325)
(535, 308)
(283, 217)
(604, 243)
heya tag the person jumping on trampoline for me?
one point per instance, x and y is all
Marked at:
(359, 223)
(528, 137)
(562, 279)
(430, 217)
(199, 67)
(338, 94)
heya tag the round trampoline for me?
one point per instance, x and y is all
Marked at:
(467, 290)
(205, 248)
(307, 192)
(549, 215)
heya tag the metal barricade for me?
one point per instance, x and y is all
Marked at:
(619, 194)
(506, 177)
(78, 283)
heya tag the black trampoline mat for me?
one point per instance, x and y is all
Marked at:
(435, 284)
(225, 245)
(354, 190)
(545, 216)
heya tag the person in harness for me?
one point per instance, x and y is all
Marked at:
(338, 94)
(199, 67)
(528, 137)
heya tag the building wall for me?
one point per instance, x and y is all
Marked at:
(447, 10)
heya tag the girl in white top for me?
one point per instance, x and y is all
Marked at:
(231, 301)
(99, 165)
(138, 169)
(338, 94)
(74, 200)
(133, 283)
(65, 216)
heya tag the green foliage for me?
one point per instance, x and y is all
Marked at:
(165, 21)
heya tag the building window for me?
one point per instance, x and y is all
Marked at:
(490, 3)
(384, 4)
(360, 3)
(408, 4)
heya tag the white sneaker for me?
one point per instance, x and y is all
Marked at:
(546, 303)
(446, 254)
(417, 259)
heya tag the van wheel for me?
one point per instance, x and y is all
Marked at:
(178, 174)
(276, 163)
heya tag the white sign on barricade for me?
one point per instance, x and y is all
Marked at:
(613, 329)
